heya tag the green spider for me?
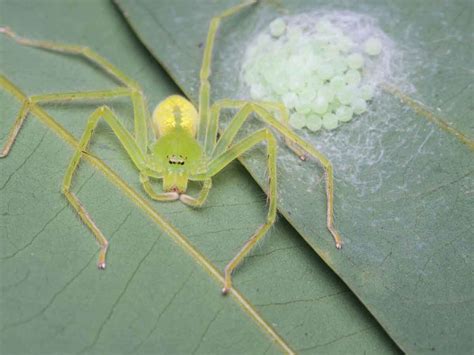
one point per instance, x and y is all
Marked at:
(187, 146)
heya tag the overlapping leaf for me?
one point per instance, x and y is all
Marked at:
(403, 182)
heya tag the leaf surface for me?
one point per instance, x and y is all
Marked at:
(155, 296)
(403, 171)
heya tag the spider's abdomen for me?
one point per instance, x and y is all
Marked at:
(175, 112)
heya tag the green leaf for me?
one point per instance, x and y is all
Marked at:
(157, 295)
(403, 171)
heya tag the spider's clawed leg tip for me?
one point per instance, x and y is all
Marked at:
(303, 157)
(7, 30)
(225, 291)
(101, 266)
(338, 245)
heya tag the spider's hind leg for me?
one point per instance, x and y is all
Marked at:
(20, 118)
(204, 133)
(273, 107)
(141, 114)
(29, 102)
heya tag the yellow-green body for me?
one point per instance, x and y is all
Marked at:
(176, 155)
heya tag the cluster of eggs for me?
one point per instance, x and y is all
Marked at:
(318, 73)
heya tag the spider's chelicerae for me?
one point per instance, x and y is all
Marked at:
(186, 147)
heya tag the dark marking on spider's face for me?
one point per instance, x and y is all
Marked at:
(176, 159)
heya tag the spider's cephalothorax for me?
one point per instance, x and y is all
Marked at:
(176, 155)
(187, 147)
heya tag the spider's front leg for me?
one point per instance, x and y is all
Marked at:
(133, 151)
(246, 110)
(220, 161)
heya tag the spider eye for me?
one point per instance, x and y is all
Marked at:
(176, 159)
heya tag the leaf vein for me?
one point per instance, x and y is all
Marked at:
(119, 298)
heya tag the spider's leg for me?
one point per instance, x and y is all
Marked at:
(133, 151)
(165, 196)
(9, 87)
(237, 122)
(204, 91)
(221, 161)
(141, 114)
(124, 136)
(272, 107)
(20, 118)
(201, 198)
(46, 98)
